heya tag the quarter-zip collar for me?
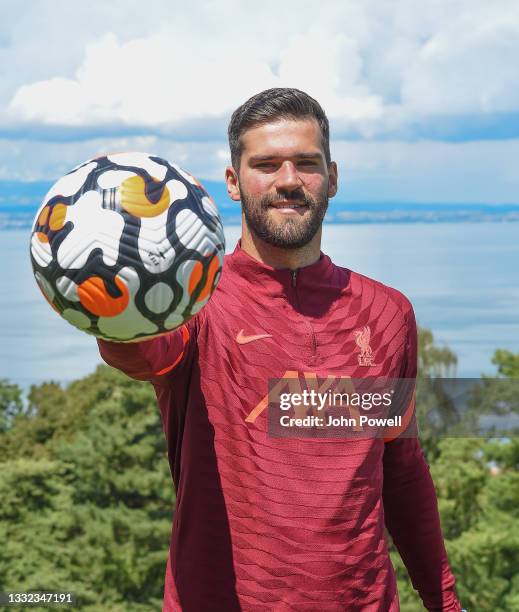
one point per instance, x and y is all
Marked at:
(311, 291)
(276, 280)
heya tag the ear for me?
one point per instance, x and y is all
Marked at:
(332, 179)
(233, 184)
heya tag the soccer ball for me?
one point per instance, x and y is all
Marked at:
(127, 247)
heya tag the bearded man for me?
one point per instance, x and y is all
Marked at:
(269, 523)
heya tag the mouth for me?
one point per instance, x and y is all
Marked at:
(287, 206)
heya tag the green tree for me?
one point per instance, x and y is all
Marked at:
(11, 403)
(507, 363)
(87, 496)
(477, 484)
(434, 360)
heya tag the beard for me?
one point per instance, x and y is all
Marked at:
(296, 230)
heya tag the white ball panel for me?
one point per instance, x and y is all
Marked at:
(67, 288)
(155, 249)
(78, 319)
(159, 297)
(177, 190)
(141, 160)
(71, 183)
(209, 206)
(94, 227)
(113, 178)
(188, 227)
(41, 251)
(130, 322)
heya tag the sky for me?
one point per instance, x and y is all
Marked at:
(422, 97)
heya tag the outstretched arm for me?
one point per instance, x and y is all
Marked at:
(148, 360)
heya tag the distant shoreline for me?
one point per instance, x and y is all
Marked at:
(19, 203)
(24, 220)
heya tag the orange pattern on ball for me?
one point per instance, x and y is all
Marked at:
(95, 298)
(134, 199)
(196, 276)
(44, 215)
(57, 217)
(42, 237)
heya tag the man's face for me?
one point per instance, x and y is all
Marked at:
(284, 181)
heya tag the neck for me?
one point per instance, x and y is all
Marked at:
(277, 257)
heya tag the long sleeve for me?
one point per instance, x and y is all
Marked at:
(412, 519)
(411, 507)
(148, 360)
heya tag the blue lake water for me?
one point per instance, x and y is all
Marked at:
(462, 278)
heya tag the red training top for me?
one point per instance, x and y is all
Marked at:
(276, 524)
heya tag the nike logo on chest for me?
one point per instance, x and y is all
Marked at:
(242, 339)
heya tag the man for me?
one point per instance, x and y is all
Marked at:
(265, 523)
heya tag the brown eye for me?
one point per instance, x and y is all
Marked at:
(307, 163)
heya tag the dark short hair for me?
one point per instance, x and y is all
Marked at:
(269, 106)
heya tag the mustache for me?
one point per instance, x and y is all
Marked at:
(293, 196)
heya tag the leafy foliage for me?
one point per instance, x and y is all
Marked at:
(86, 494)
(507, 363)
(11, 404)
(477, 484)
(432, 359)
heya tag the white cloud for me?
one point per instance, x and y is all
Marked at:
(158, 80)
(167, 71)
(370, 64)
(467, 66)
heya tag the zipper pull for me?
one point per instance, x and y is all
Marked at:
(294, 277)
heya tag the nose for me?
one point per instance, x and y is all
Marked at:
(288, 178)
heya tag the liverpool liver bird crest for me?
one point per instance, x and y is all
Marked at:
(362, 338)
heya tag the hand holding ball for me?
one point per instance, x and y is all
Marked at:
(127, 247)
